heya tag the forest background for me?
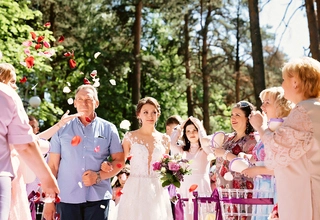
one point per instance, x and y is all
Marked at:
(195, 57)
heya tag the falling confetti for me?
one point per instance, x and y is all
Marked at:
(80, 184)
(93, 73)
(23, 80)
(112, 82)
(33, 87)
(70, 101)
(86, 81)
(129, 157)
(97, 149)
(66, 89)
(119, 165)
(88, 119)
(193, 187)
(96, 55)
(125, 124)
(61, 39)
(75, 140)
(68, 84)
(47, 24)
(96, 84)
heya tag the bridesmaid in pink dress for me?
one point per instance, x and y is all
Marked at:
(194, 151)
(293, 150)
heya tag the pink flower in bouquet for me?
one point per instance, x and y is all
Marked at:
(165, 156)
(156, 166)
(173, 166)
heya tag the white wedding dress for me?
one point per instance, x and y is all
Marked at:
(143, 196)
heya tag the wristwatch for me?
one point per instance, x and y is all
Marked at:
(98, 180)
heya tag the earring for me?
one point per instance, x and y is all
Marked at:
(140, 121)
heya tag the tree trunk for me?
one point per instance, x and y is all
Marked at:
(136, 79)
(237, 64)
(187, 62)
(313, 29)
(205, 73)
(257, 56)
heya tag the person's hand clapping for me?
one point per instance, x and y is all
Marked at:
(256, 119)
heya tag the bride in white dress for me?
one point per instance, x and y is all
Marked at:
(143, 196)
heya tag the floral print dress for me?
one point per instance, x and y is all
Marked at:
(244, 144)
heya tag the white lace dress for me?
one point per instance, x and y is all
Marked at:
(143, 196)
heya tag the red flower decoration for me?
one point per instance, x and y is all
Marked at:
(33, 35)
(23, 80)
(40, 39)
(61, 39)
(29, 61)
(47, 24)
(119, 165)
(88, 119)
(86, 81)
(72, 63)
(75, 140)
(249, 184)
(236, 150)
(38, 46)
(249, 195)
(193, 187)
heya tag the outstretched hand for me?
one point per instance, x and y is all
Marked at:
(66, 117)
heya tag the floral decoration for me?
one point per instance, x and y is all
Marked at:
(172, 169)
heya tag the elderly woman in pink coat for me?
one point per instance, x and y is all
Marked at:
(293, 150)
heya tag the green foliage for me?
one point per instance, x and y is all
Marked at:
(106, 26)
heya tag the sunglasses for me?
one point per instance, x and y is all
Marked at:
(243, 104)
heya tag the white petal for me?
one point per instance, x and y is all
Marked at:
(66, 89)
(113, 82)
(125, 124)
(96, 55)
(96, 84)
(70, 101)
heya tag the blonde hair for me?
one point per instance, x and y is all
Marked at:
(7, 71)
(90, 87)
(283, 106)
(307, 71)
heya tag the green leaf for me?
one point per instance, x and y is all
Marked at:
(177, 184)
(166, 183)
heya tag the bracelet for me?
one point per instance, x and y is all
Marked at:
(225, 154)
(98, 180)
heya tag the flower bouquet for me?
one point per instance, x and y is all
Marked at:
(172, 169)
